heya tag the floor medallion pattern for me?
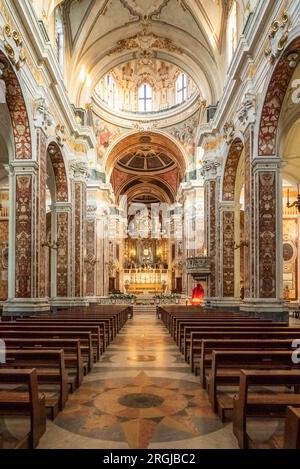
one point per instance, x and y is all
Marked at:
(140, 395)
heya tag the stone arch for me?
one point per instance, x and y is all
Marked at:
(274, 97)
(17, 109)
(22, 250)
(230, 256)
(230, 171)
(60, 173)
(121, 143)
(61, 222)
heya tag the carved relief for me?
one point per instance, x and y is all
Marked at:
(13, 45)
(145, 43)
(267, 234)
(278, 37)
(144, 9)
(228, 254)
(41, 113)
(228, 132)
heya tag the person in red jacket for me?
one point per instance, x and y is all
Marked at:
(198, 295)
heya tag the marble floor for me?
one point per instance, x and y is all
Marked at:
(140, 395)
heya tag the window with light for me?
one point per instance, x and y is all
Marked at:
(181, 88)
(145, 98)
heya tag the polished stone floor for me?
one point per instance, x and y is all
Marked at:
(140, 395)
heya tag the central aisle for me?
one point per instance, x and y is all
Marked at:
(140, 395)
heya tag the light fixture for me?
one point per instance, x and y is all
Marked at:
(296, 203)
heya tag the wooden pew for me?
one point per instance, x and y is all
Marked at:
(85, 339)
(186, 330)
(208, 346)
(292, 429)
(197, 338)
(100, 337)
(71, 347)
(51, 373)
(26, 402)
(254, 401)
(226, 366)
(57, 329)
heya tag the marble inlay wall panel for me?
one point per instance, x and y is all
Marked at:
(79, 236)
(62, 254)
(267, 234)
(248, 217)
(41, 218)
(23, 247)
(212, 236)
(228, 254)
(3, 259)
(91, 255)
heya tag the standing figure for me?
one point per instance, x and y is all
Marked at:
(198, 295)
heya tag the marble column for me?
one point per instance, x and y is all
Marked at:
(79, 176)
(27, 233)
(61, 216)
(91, 252)
(265, 280)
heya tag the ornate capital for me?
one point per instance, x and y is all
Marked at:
(210, 169)
(278, 37)
(247, 112)
(228, 132)
(91, 211)
(41, 114)
(79, 170)
(60, 132)
(13, 45)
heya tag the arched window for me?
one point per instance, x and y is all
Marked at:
(145, 98)
(59, 36)
(181, 88)
(232, 38)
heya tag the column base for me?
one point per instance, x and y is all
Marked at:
(68, 302)
(94, 299)
(232, 304)
(25, 307)
(275, 309)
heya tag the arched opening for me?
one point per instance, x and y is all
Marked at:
(4, 213)
(290, 214)
(277, 134)
(233, 222)
(146, 170)
(58, 222)
(16, 145)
